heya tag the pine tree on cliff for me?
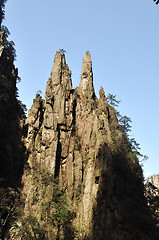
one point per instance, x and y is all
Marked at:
(2, 12)
(156, 1)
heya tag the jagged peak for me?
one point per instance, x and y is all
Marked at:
(102, 94)
(86, 84)
(60, 69)
(56, 69)
(87, 64)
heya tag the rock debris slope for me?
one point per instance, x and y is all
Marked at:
(74, 139)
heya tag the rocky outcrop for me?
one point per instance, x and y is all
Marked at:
(152, 196)
(74, 139)
(154, 180)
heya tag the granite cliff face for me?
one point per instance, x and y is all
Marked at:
(78, 157)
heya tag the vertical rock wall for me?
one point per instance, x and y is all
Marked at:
(76, 137)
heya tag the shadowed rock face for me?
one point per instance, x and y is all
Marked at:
(11, 116)
(76, 137)
(12, 120)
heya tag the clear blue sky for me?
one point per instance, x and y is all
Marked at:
(123, 39)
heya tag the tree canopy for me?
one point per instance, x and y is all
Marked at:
(156, 1)
(2, 12)
(125, 126)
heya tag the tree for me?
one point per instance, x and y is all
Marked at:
(125, 127)
(39, 92)
(112, 100)
(9, 46)
(156, 1)
(124, 123)
(62, 51)
(2, 12)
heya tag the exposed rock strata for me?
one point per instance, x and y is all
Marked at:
(76, 137)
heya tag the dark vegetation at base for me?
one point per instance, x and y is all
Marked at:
(54, 220)
(122, 211)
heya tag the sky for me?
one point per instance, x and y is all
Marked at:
(122, 37)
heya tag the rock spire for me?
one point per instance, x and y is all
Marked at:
(75, 138)
(86, 84)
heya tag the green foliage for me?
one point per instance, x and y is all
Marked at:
(112, 100)
(9, 210)
(124, 123)
(125, 127)
(30, 229)
(40, 176)
(58, 214)
(135, 147)
(11, 145)
(9, 46)
(23, 106)
(2, 12)
(55, 216)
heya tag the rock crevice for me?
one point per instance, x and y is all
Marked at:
(76, 137)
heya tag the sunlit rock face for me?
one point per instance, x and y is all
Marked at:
(154, 179)
(76, 137)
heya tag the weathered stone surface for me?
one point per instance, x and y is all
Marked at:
(86, 84)
(76, 137)
(154, 180)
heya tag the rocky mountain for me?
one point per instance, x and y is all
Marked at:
(68, 171)
(81, 179)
